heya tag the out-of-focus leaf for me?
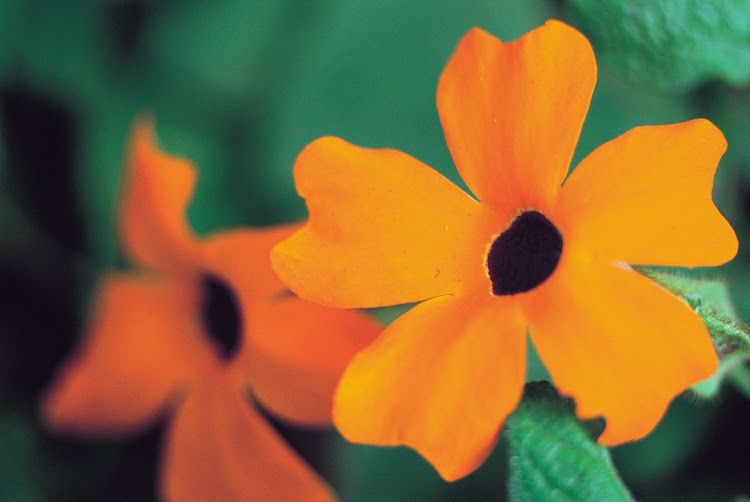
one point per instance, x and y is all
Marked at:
(552, 455)
(387, 315)
(373, 474)
(59, 48)
(366, 71)
(216, 49)
(672, 44)
(19, 476)
(535, 369)
(669, 447)
(38, 466)
(710, 299)
(101, 157)
(11, 11)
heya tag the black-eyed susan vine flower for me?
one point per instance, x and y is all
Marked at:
(535, 252)
(202, 325)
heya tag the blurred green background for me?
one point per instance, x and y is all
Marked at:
(240, 87)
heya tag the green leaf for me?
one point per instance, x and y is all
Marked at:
(672, 44)
(374, 474)
(710, 299)
(671, 446)
(553, 456)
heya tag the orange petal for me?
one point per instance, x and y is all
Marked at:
(384, 229)
(297, 352)
(156, 191)
(645, 198)
(219, 448)
(137, 352)
(242, 258)
(440, 379)
(512, 112)
(617, 342)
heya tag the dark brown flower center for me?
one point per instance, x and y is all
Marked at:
(524, 255)
(220, 314)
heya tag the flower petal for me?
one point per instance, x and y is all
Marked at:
(384, 229)
(621, 345)
(440, 379)
(241, 257)
(220, 448)
(137, 352)
(297, 352)
(157, 190)
(512, 112)
(645, 198)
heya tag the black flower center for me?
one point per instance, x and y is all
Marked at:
(220, 314)
(524, 255)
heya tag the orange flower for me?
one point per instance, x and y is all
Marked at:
(198, 326)
(536, 252)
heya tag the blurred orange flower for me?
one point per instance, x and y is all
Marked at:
(200, 326)
(536, 252)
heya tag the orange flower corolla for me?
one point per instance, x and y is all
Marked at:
(535, 252)
(201, 326)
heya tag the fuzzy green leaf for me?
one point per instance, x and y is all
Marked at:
(710, 299)
(672, 44)
(553, 456)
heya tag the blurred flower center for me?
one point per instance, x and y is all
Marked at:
(220, 314)
(524, 255)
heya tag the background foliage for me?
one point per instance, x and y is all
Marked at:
(241, 87)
